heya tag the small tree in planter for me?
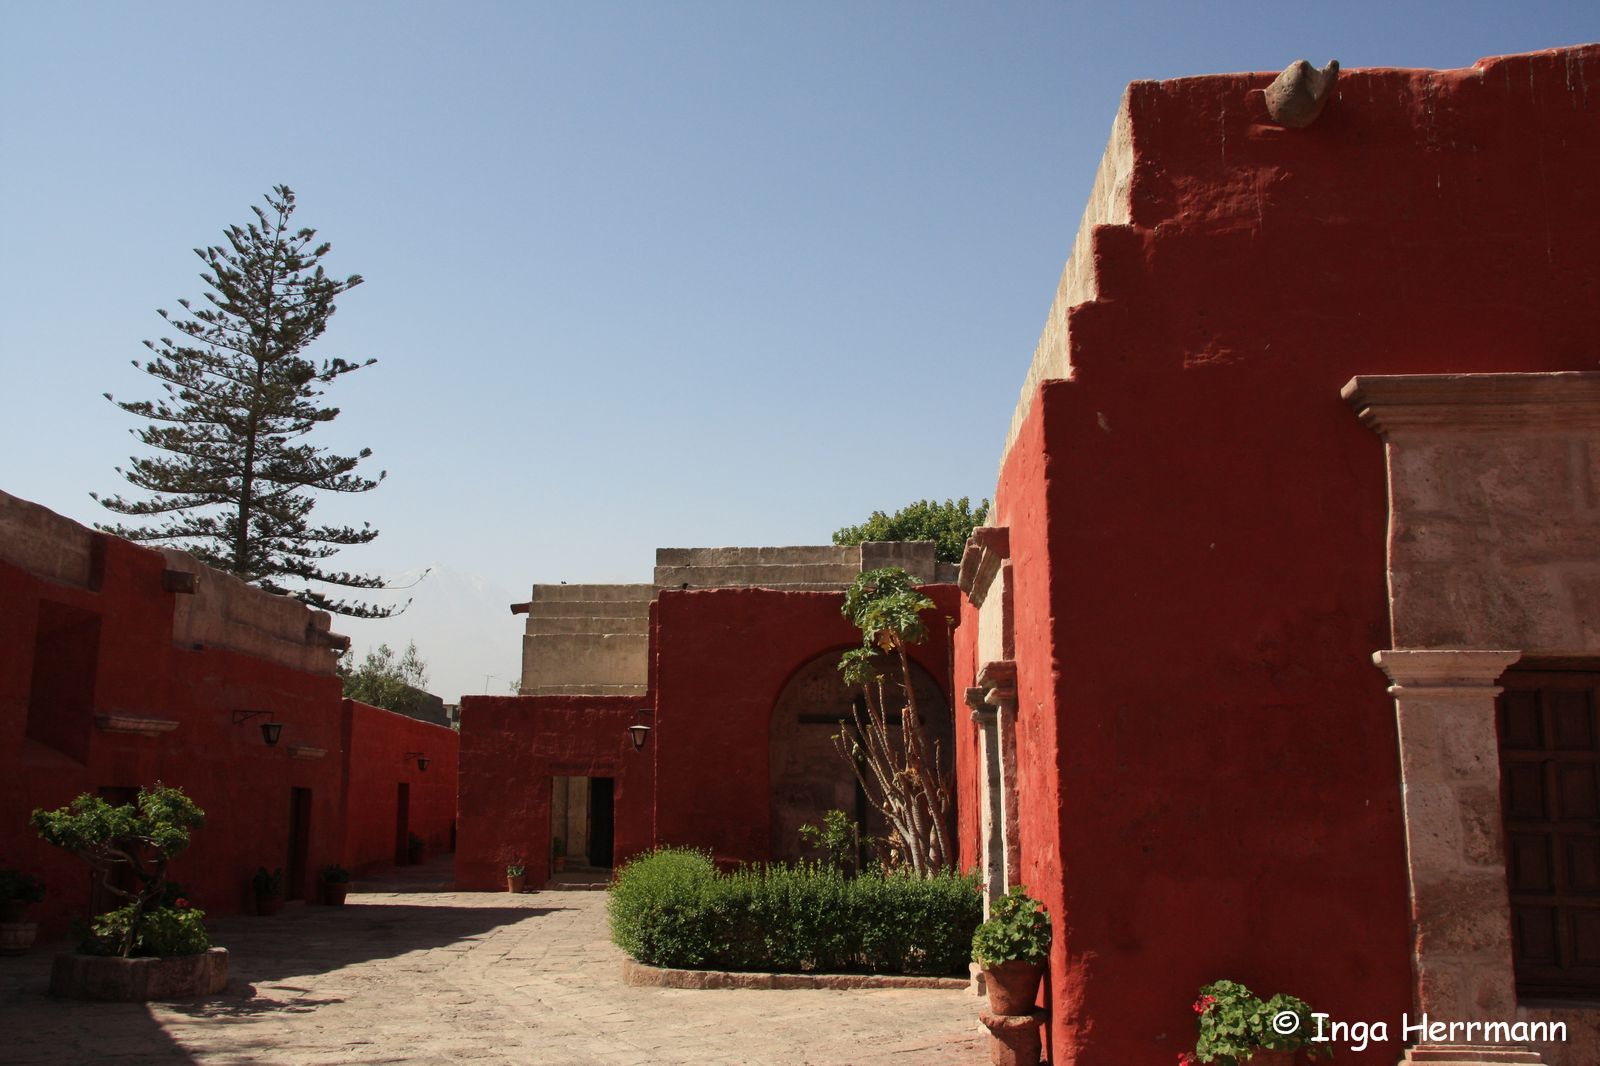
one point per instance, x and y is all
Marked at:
(900, 777)
(17, 892)
(141, 837)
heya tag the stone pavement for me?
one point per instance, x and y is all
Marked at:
(409, 973)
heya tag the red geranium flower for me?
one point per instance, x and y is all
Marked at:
(181, 903)
(1204, 1003)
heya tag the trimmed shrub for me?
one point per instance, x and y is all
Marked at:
(673, 908)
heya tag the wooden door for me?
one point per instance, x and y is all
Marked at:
(1550, 799)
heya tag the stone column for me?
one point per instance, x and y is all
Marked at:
(1450, 778)
(991, 843)
(999, 682)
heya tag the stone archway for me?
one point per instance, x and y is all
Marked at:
(808, 776)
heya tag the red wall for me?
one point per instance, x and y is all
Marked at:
(243, 785)
(511, 746)
(722, 657)
(376, 745)
(1209, 780)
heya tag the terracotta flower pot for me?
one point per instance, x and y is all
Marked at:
(333, 892)
(559, 863)
(515, 882)
(13, 911)
(1013, 986)
(268, 904)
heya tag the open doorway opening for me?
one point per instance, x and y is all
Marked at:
(402, 825)
(582, 822)
(299, 842)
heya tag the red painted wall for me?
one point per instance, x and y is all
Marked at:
(722, 657)
(1210, 781)
(243, 785)
(511, 747)
(376, 745)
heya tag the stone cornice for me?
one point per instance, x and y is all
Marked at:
(1415, 671)
(138, 725)
(986, 549)
(1389, 402)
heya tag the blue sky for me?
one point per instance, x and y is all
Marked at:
(637, 274)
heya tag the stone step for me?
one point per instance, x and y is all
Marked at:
(758, 575)
(1469, 1055)
(589, 608)
(583, 690)
(562, 624)
(802, 555)
(592, 593)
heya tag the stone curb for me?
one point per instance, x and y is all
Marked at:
(638, 973)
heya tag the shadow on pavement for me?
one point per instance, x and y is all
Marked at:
(385, 917)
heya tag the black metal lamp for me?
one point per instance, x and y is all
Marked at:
(638, 734)
(270, 730)
(422, 760)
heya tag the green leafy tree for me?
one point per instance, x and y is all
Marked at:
(382, 680)
(140, 837)
(947, 524)
(901, 777)
(234, 482)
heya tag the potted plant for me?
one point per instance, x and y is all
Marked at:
(155, 946)
(1236, 1027)
(416, 850)
(516, 876)
(335, 885)
(1012, 947)
(558, 854)
(269, 890)
(17, 891)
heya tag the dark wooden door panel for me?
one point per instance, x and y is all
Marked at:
(1550, 800)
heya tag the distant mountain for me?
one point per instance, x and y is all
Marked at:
(462, 625)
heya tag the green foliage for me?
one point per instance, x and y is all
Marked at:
(516, 869)
(947, 524)
(335, 875)
(161, 931)
(558, 847)
(235, 486)
(381, 680)
(887, 607)
(673, 908)
(267, 884)
(1234, 1024)
(21, 887)
(140, 837)
(1018, 930)
(838, 837)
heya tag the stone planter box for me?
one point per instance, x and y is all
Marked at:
(107, 977)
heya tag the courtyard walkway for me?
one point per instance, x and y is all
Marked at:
(409, 973)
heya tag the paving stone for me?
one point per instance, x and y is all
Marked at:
(415, 977)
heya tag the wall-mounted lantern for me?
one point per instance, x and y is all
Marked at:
(638, 734)
(270, 731)
(422, 760)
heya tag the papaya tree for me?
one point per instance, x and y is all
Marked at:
(141, 837)
(902, 778)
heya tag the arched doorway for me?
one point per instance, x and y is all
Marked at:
(809, 778)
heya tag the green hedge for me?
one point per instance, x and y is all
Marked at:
(673, 908)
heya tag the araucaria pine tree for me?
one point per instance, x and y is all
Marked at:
(235, 484)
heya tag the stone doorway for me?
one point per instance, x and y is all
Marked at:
(583, 821)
